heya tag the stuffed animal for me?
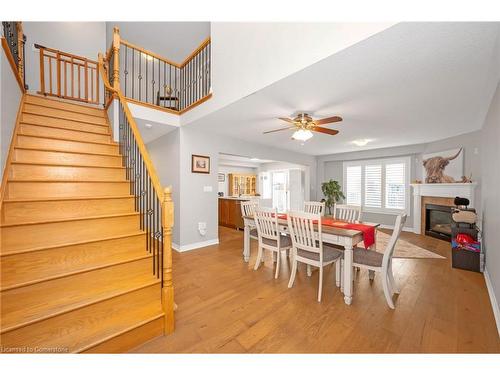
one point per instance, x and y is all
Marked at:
(468, 217)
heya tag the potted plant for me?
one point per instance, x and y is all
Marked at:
(332, 192)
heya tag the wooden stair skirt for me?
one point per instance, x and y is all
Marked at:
(75, 272)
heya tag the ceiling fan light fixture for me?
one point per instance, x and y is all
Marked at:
(302, 135)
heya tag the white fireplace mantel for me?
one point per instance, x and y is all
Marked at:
(463, 190)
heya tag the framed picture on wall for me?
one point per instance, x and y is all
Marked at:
(221, 177)
(200, 164)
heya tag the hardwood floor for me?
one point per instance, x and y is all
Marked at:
(226, 307)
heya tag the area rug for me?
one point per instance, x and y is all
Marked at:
(405, 249)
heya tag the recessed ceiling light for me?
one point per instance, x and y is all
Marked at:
(361, 142)
(254, 159)
(149, 126)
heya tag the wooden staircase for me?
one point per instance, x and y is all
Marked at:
(75, 274)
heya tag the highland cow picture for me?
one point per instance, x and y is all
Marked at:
(443, 167)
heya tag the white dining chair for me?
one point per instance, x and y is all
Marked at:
(315, 208)
(248, 209)
(308, 247)
(382, 263)
(347, 212)
(269, 236)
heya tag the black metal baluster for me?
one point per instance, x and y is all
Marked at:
(125, 72)
(140, 76)
(133, 73)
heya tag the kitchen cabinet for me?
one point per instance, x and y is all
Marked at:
(242, 184)
(230, 213)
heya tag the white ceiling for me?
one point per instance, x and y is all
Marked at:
(173, 40)
(412, 83)
(241, 161)
(155, 130)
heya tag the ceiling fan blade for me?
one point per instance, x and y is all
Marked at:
(286, 119)
(278, 130)
(325, 130)
(328, 120)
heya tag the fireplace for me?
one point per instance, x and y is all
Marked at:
(438, 221)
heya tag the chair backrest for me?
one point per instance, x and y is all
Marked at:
(314, 208)
(248, 207)
(391, 245)
(266, 221)
(346, 212)
(305, 231)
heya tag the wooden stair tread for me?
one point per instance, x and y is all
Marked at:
(27, 305)
(29, 268)
(59, 180)
(40, 248)
(110, 143)
(57, 103)
(64, 151)
(63, 128)
(92, 325)
(11, 200)
(76, 218)
(41, 110)
(67, 165)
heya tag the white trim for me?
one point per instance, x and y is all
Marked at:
(493, 299)
(193, 246)
(405, 229)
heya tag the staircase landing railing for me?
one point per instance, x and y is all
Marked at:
(154, 204)
(147, 78)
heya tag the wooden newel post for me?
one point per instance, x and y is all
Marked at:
(116, 58)
(167, 293)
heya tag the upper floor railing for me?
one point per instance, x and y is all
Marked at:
(68, 76)
(148, 78)
(13, 41)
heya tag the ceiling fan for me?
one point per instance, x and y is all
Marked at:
(304, 125)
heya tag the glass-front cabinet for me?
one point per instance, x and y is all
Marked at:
(242, 184)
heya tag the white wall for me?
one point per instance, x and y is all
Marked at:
(173, 40)
(227, 169)
(85, 39)
(10, 97)
(193, 205)
(283, 48)
(164, 153)
(490, 196)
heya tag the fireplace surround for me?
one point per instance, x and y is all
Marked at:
(438, 194)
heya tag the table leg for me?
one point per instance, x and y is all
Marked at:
(371, 273)
(348, 274)
(246, 243)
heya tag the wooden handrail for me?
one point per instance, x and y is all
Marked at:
(65, 53)
(149, 53)
(195, 52)
(142, 147)
(10, 58)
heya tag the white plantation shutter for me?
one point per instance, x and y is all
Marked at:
(373, 186)
(395, 190)
(353, 185)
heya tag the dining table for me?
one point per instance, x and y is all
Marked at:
(336, 235)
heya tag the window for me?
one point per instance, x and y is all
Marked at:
(395, 186)
(378, 185)
(353, 185)
(373, 186)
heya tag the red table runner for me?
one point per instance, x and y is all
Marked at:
(367, 230)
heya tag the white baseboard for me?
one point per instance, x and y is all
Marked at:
(405, 229)
(196, 245)
(493, 299)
